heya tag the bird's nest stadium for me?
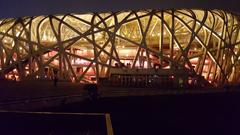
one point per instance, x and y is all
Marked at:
(127, 47)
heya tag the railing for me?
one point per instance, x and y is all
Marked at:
(55, 123)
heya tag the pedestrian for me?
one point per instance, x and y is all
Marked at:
(55, 78)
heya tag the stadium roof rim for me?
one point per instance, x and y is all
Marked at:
(16, 9)
(127, 10)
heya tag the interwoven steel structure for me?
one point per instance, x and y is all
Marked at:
(84, 47)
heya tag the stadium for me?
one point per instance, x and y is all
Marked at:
(126, 48)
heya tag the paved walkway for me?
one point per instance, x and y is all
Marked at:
(34, 94)
(33, 89)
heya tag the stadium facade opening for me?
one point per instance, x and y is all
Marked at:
(186, 46)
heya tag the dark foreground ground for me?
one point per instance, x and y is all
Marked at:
(38, 123)
(187, 114)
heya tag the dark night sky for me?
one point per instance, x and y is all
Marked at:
(19, 8)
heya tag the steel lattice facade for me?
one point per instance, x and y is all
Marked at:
(85, 47)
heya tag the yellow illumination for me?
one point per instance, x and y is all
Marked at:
(71, 42)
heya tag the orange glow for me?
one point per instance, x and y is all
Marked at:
(89, 43)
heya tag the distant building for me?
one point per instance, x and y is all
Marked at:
(191, 46)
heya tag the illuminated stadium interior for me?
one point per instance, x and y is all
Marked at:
(183, 44)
